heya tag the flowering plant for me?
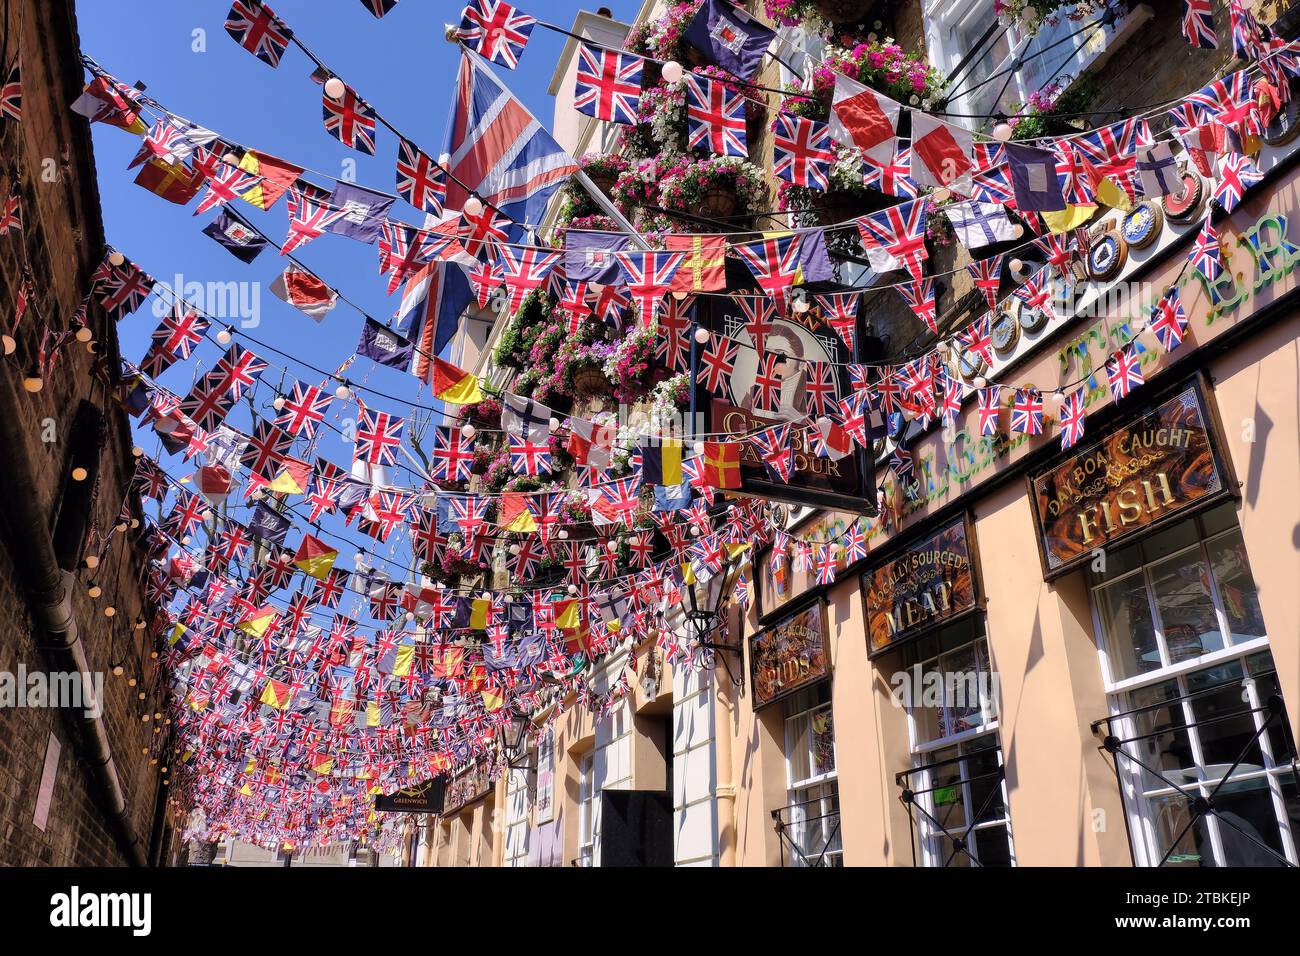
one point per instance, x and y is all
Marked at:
(639, 186)
(629, 365)
(687, 182)
(664, 38)
(661, 113)
(576, 201)
(791, 13)
(881, 65)
(486, 412)
(1029, 16)
(1048, 111)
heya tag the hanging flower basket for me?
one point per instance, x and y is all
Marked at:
(589, 381)
(720, 202)
(843, 11)
(722, 188)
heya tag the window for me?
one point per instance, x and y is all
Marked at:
(1187, 668)
(813, 814)
(588, 794)
(957, 778)
(800, 48)
(1007, 67)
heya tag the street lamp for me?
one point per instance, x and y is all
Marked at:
(706, 603)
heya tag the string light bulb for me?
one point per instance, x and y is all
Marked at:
(9, 344)
(278, 404)
(467, 431)
(335, 88)
(84, 334)
(1002, 132)
(673, 72)
(80, 474)
(473, 207)
(224, 336)
(116, 259)
(91, 561)
(702, 335)
(343, 393)
(979, 381)
(32, 381)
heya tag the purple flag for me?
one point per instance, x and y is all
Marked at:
(381, 344)
(364, 212)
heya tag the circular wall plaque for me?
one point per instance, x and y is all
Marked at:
(1183, 207)
(1106, 256)
(1005, 332)
(1142, 225)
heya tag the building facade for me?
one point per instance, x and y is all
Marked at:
(1079, 657)
(83, 769)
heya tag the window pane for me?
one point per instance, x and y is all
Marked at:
(1224, 724)
(993, 846)
(1236, 586)
(1130, 634)
(1247, 818)
(1183, 596)
(1161, 742)
(985, 778)
(927, 710)
(961, 691)
(798, 748)
(1169, 816)
(1175, 538)
(823, 742)
(1220, 518)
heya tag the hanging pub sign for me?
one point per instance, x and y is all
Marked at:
(467, 786)
(802, 339)
(931, 582)
(789, 655)
(1137, 475)
(425, 797)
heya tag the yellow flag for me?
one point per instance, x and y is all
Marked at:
(372, 715)
(1113, 196)
(567, 618)
(405, 656)
(177, 633)
(478, 613)
(1071, 217)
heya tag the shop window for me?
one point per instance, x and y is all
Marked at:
(1006, 67)
(956, 789)
(1197, 727)
(810, 823)
(588, 795)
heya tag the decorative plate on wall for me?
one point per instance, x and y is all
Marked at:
(1184, 206)
(1143, 224)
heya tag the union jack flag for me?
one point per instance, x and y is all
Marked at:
(379, 8)
(758, 319)
(715, 117)
(895, 238)
(987, 274)
(1027, 412)
(469, 511)
(840, 312)
(776, 449)
(121, 289)
(1236, 175)
(1112, 150)
(452, 456)
(528, 457)
(1072, 418)
(774, 263)
(1247, 38)
(1168, 320)
(621, 499)
(671, 348)
(225, 182)
(1124, 372)
(801, 151)
(350, 120)
(994, 185)
(827, 563)
(11, 214)
(1206, 256)
(496, 30)
(420, 181)
(608, 84)
(404, 249)
(256, 28)
(188, 513)
(977, 337)
(208, 402)
(11, 94)
(309, 218)
(718, 364)
(486, 278)
(951, 394)
(855, 542)
(378, 436)
(304, 408)
(180, 331)
(1198, 25)
(768, 379)
(264, 451)
(920, 297)
(901, 464)
(647, 276)
(1230, 102)
(326, 488)
(238, 369)
(481, 235)
(525, 270)
(894, 178)
(1036, 293)
(819, 389)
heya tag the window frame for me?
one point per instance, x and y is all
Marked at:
(1140, 800)
(819, 790)
(586, 809)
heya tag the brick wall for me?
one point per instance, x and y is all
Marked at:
(62, 242)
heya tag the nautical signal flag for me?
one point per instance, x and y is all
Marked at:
(258, 621)
(293, 477)
(515, 514)
(721, 464)
(175, 182)
(454, 385)
(277, 176)
(315, 557)
(277, 694)
(661, 464)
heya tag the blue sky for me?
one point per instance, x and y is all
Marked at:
(401, 64)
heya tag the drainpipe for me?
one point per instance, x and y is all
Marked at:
(49, 598)
(724, 711)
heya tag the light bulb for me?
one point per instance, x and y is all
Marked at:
(92, 561)
(110, 611)
(573, 589)
(117, 670)
(680, 295)
(335, 88)
(444, 159)
(410, 615)
(613, 547)
(673, 72)
(942, 194)
(116, 259)
(360, 557)
(343, 393)
(33, 382)
(1002, 132)
(84, 334)
(224, 336)
(79, 474)
(137, 451)
(467, 431)
(278, 404)
(801, 303)
(702, 336)
(1017, 231)
(554, 424)
(979, 381)
(9, 344)
(514, 549)
(1016, 265)
(943, 348)
(699, 448)
(473, 207)
(563, 534)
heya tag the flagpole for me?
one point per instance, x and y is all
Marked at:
(603, 201)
